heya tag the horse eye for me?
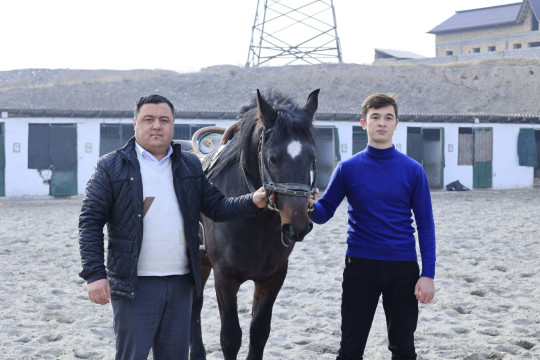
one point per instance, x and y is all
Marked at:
(272, 160)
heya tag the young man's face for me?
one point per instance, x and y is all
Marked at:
(380, 125)
(154, 128)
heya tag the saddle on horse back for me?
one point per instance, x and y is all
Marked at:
(207, 143)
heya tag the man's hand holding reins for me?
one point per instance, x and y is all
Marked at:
(259, 198)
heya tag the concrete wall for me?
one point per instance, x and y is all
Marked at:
(21, 181)
(507, 173)
(453, 171)
(88, 132)
(506, 170)
(533, 53)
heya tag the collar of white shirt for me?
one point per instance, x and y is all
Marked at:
(146, 155)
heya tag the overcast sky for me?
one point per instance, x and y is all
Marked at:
(187, 35)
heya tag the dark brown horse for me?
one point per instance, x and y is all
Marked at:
(274, 146)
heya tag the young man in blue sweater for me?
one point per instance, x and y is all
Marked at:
(383, 188)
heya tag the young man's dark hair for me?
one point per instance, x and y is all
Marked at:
(377, 101)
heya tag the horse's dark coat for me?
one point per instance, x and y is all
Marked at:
(253, 249)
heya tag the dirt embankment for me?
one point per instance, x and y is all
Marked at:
(506, 86)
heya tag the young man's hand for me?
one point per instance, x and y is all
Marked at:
(312, 199)
(424, 290)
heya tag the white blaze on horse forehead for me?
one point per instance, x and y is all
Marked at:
(294, 148)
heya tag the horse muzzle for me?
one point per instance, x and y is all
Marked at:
(292, 234)
(294, 214)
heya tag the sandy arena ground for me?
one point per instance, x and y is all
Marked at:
(487, 302)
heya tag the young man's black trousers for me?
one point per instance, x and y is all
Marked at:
(364, 281)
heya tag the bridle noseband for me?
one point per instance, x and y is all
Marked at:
(293, 189)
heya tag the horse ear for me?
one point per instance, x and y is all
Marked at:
(266, 112)
(312, 102)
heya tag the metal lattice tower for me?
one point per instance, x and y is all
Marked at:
(287, 32)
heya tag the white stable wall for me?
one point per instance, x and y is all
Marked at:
(21, 181)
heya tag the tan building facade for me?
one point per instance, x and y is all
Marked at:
(498, 28)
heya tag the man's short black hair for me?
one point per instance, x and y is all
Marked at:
(152, 99)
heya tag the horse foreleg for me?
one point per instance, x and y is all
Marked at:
(263, 302)
(197, 351)
(231, 333)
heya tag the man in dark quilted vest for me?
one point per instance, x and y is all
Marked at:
(150, 195)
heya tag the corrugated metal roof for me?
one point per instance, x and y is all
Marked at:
(478, 18)
(335, 116)
(114, 114)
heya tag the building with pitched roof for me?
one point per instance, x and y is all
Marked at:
(497, 28)
(393, 55)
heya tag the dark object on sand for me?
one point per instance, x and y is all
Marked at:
(456, 186)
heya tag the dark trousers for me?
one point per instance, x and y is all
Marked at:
(158, 319)
(363, 282)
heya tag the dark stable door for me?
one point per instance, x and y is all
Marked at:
(54, 147)
(482, 158)
(63, 150)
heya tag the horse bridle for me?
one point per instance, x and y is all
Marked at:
(293, 189)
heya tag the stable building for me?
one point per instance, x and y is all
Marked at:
(53, 153)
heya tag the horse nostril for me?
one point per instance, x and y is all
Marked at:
(289, 231)
(308, 228)
(306, 231)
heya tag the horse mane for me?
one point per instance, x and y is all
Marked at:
(290, 120)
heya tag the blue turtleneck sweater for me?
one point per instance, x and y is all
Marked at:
(383, 188)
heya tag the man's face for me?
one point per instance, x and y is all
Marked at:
(380, 125)
(154, 128)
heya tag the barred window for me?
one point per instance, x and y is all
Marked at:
(114, 136)
(186, 131)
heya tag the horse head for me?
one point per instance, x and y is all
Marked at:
(286, 159)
